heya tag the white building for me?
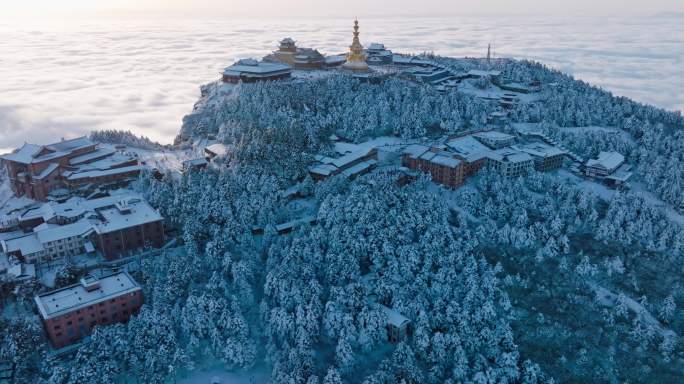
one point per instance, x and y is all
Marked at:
(546, 157)
(510, 162)
(50, 241)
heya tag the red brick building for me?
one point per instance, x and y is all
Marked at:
(128, 226)
(115, 225)
(37, 170)
(34, 170)
(442, 165)
(70, 313)
(470, 151)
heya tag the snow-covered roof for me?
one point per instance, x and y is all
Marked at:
(395, 318)
(26, 245)
(345, 160)
(468, 148)
(429, 155)
(73, 297)
(98, 153)
(415, 150)
(79, 228)
(323, 169)
(252, 66)
(136, 212)
(107, 172)
(217, 149)
(25, 154)
(71, 145)
(509, 155)
(494, 135)
(22, 271)
(539, 149)
(47, 171)
(446, 161)
(76, 206)
(607, 160)
(358, 168)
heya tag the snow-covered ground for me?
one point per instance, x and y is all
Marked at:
(167, 160)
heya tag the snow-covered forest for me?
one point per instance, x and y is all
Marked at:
(531, 280)
(125, 138)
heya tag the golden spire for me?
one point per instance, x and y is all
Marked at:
(356, 59)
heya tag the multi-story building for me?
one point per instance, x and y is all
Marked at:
(49, 241)
(250, 70)
(129, 225)
(114, 225)
(495, 139)
(298, 58)
(604, 165)
(37, 170)
(510, 162)
(442, 165)
(470, 151)
(70, 313)
(546, 157)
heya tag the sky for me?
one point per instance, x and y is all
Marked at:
(327, 8)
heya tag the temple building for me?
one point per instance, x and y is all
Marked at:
(377, 54)
(250, 70)
(356, 58)
(297, 58)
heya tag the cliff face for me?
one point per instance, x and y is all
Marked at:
(202, 122)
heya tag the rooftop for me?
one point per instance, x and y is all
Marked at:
(217, 149)
(99, 152)
(394, 317)
(607, 160)
(27, 245)
(494, 135)
(106, 172)
(54, 233)
(415, 150)
(252, 66)
(31, 153)
(71, 298)
(509, 155)
(468, 148)
(539, 149)
(343, 161)
(127, 213)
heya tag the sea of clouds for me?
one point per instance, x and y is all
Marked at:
(67, 79)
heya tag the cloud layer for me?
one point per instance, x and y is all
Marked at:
(66, 80)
